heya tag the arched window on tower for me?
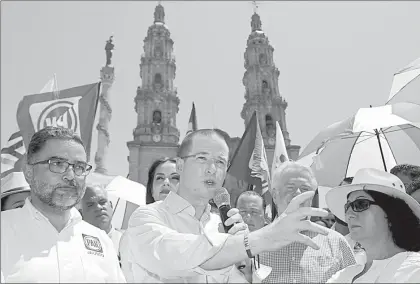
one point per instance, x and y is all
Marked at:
(157, 116)
(158, 81)
(263, 59)
(158, 78)
(265, 86)
(158, 51)
(269, 125)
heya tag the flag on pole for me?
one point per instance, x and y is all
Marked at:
(12, 153)
(280, 152)
(249, 162)
(75, 109)
(192, 123)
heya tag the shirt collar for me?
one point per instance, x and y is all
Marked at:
(74, 213)
(176, 204)
(111, 231)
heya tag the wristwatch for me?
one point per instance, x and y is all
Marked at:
(246, 243)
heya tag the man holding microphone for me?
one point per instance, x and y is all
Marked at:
(173, 240)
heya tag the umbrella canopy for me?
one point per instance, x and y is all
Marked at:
(406, 84)
(373, 137)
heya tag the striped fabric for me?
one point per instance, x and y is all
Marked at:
(12, 154)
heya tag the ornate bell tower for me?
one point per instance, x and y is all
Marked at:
(156, 103)
(262, 91)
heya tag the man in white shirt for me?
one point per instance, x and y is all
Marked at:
(97, 210)
(47, 240)
(172, 241)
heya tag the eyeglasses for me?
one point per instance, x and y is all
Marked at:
(245, 213)
(359, 205)
(60, 166)
(202, 158)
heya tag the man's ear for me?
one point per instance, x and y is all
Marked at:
(179, 165)
(28, 170)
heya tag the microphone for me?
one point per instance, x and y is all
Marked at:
(222, 201)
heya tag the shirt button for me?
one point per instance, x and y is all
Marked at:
(293, 259)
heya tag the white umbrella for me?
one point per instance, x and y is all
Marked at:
(406, 84)
(120, 187)
(373, 137)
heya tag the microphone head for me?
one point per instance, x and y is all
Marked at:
(222, 197)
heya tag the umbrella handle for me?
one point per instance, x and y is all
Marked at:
(380, 149)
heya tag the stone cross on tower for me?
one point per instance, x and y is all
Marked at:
(105, 111)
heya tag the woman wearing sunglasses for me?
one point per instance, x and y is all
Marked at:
(385, 220)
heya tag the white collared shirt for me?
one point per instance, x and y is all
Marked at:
(166, 243)
(404, 267)
(32, 250)
(115, 236)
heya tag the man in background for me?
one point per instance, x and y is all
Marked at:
(252, 206)
(414, 189)
(406, 173)
(296, 262)
(97, 210)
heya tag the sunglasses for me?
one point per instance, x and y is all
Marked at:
(359, 205)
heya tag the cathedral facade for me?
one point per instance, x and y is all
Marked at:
(157, 103)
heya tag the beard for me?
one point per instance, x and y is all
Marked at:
(49, 195)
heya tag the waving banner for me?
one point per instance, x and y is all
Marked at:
(74, 108)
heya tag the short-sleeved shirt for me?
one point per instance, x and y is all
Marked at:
(33, 251)
(298, 263)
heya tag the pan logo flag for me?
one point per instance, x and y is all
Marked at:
(61, 112)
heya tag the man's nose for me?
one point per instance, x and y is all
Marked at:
(69, 173)
(211, 167)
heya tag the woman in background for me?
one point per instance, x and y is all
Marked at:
(385, 220)
(162, 179)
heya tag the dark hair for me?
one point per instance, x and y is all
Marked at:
(413, 186)
(41, 137)
(3, 202)
(251, 193)
(151, 176)
(186, 144)
(412, 171)
(348, 180)
(403, 224)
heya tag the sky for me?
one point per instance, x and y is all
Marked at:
(333, 57)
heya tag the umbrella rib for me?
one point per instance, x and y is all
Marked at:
(389, 146)
(352, 148)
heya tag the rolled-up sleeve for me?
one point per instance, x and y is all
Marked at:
(164, 252)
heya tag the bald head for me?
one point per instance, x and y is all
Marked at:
(96, 208)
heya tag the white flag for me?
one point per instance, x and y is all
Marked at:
(50, 86)
(280, 152)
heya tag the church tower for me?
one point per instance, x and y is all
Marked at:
(156, 102)
(262, 92)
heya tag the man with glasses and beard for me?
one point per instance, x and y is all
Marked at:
(46, 240)
(173, 240)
